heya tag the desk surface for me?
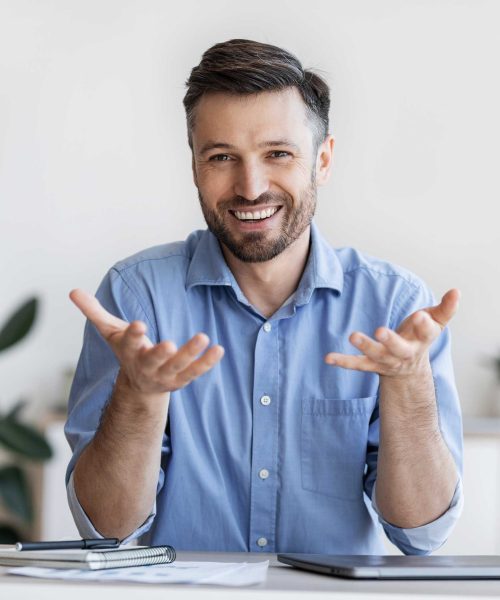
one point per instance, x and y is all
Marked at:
(282, 582)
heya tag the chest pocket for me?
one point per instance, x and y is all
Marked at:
(334, 436)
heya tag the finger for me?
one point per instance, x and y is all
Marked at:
(200, 366)
(348, 361)
(424, 328)
(185, 355)
(369, 347)
(395, 344)
(446, 309)
(132, 341)
(153, 358)
(105, 322)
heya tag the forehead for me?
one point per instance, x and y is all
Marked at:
(243, 120)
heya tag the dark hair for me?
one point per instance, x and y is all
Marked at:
(247, 67)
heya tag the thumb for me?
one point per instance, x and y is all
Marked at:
(443, 312)
(105, 322)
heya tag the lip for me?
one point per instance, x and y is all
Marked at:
(255, 225)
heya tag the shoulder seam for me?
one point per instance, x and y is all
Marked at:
(139, 302)
(411, 281)
(120, 270)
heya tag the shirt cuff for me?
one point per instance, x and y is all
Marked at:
(84, 524)
(426, 538)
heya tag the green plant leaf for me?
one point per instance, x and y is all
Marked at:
(24, 440)
(15, 410)
(14, 492)
(8, 535)
(18, 324)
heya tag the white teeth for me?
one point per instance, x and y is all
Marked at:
(263, 214)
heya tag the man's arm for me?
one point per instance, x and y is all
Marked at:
(416, 474)
(116, 475)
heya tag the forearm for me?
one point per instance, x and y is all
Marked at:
(116, 475)
(416, 474)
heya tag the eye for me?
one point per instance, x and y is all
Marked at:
(220, 158)
(282, 153)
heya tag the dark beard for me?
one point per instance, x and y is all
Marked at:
(254, 246)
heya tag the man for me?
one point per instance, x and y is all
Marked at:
(277, 437)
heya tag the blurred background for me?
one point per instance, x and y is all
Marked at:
(95, 166)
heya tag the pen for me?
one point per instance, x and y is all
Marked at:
(69, 544)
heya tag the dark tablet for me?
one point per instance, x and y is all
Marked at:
(397, 567)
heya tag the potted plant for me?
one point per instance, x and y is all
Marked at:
(20, 440)
(496, 364)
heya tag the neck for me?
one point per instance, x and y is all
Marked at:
(268, 284)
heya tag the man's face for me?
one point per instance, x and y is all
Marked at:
(254, 165)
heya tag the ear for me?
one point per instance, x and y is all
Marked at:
(193, 166)
(324, 160)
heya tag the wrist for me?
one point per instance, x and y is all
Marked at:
(127, 396)
(410, 395)
(419, 370)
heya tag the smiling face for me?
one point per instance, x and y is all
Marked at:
(256, 169)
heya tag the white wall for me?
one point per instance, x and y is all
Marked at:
(94, 163)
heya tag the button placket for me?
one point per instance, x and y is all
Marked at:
(264, 439)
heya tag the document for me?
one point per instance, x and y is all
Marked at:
(201, 573)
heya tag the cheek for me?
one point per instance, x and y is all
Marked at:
(293, 183)
(213, 183)
(296, 174)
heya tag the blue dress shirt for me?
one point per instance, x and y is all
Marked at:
(272, 450)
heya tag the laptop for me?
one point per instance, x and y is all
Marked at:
(397, 567)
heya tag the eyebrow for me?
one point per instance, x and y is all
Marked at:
(211, 145)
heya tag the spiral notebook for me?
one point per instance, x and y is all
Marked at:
(92, 560)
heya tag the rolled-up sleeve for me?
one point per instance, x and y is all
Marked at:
(84, 524)
(426, 538)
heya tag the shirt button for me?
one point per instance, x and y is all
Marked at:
(262, 542)
(263, 473)
(267, 327)
(265, 400)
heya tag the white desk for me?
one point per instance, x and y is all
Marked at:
(282, 582)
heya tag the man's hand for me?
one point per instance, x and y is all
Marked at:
(149, 369)
(403, 352)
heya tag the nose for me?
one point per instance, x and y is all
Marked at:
(251, 180)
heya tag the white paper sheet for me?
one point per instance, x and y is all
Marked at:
(215, 573)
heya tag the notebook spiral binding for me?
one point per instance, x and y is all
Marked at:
(137, 557)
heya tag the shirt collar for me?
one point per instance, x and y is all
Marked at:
(208, 265)
(323, 268)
